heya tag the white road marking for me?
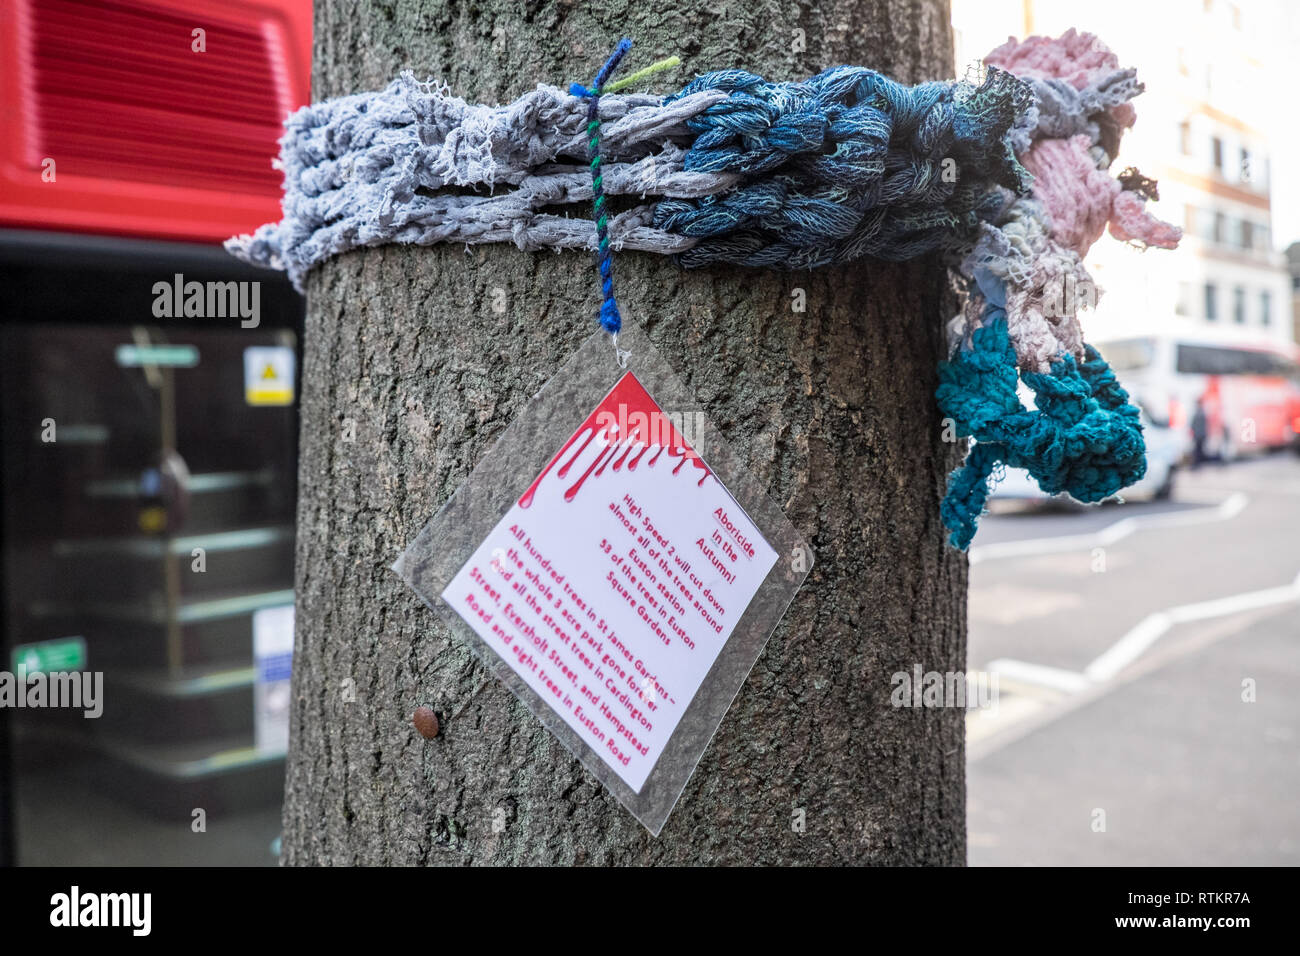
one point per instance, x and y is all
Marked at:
(1139, 638)
(1227, 509)
(1154, 626)
(1129, 647)
(1027, 721)
(1039, 675)
(1256, 487)
(1071, 688)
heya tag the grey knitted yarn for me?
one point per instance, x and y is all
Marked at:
(414, 164)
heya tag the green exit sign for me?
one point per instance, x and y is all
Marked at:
(51, 657)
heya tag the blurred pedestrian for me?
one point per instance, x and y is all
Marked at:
(1200, 428)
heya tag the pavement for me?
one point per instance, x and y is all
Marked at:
(1147, 665)
(66, 815)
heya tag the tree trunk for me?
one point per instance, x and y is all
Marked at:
(833, 409)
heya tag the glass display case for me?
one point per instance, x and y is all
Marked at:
(149, 471)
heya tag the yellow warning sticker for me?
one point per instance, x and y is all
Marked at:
(268, 375)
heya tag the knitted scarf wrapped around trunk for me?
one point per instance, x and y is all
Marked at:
(1007, 178)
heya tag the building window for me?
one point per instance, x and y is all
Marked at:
(1183, 306)
(1220, 227)
(1211, 302)
(1205, 219)
(1247, 234)
(1265, 308)
(1239, 305)
(1245, 165)
(1216, 153)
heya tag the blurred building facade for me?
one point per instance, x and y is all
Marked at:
(1293, 266)
(1205, 129)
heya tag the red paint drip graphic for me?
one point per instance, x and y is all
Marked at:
(628, 423)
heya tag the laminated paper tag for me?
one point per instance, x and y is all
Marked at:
(616, 566)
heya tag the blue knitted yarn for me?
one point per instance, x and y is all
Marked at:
(847, 164)
(610, 319)
(1084, 438)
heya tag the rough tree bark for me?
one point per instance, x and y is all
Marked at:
(832, 408)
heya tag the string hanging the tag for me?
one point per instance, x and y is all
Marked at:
(610, 319)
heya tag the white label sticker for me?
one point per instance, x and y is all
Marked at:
(612, 584)
(273, 660)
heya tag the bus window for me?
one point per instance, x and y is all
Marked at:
(1211, 360)
(1127, 355)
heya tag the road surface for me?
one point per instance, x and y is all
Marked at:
(1147, 659)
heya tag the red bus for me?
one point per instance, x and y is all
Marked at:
(1248, 392)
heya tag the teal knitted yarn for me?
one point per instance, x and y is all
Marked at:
(846, 164)
(1083, 439)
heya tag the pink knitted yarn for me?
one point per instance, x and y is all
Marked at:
(1077, 58)
(1081, 199)
(1075, 193)
(1037, 245)
(1130, 221)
